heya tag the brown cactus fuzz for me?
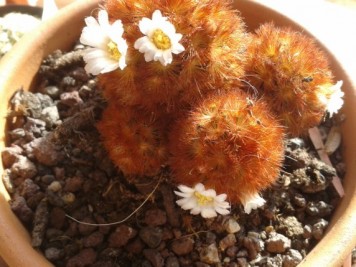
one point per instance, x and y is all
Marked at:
(292, 74)
(229, 143)
(135, 140)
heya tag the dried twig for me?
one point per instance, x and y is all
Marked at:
(315, 137)
(125, 219)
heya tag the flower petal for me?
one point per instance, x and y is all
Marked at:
(145, 25)
(222, 211)
(221, 197)
(199, 187)
(181, 194)
(252, 201)
(185, 189)
(103, 18)
(196, 210)
(178, 48)
(208, 213)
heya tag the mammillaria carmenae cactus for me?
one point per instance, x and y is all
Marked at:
(213, 38)
(136, 140)
(293, 75)
(179, 69)
(229, 143)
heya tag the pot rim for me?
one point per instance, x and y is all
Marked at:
(330, 251)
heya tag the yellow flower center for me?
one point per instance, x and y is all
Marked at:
(113, 51)
(161, 40)
(202, 200)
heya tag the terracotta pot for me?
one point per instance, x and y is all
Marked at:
(18, 69)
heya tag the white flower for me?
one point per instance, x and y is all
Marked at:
(199, 200)
(109, 49)
(161, 39)
(335, 102)
(252, 201)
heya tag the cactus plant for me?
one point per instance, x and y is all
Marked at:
(136, 140)
(157, 61)
(214, 40)
(229, 143)
(292, 73)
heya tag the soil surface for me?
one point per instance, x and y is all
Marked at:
(56, 166)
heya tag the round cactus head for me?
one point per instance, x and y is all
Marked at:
(292, 74)
(176, 51)
(135, 140)
(230, 143)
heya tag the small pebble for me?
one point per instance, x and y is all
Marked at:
(299, 200)
(209, 254)
(155, 217)
(210, 237)
(19, 207)
(86, 229)
(121, 236)
(292, 258)
(70, 98)
(6, 179)
(54, 254)
(50, 116)
(152, 236)
(39, 224)
(73, 184)
(17, 133)
(290, 226)
(232, 226)
(154, 257)
(28, 188)
(274, 261)
(227, 241)
(54, 199)
(47, 179)
(24, 168)
(307, 231)
(277, 243)
(45, 100)
(136, 246)
(55, 186)
(252, 245)
(172, 261)
(10, 155)
(318, 229)
(242, 262)
(52, 91)
(86, 257)
(319, 209)
(93, 240)
(232, 251)
(57, 217)
(46, 152)
(182, 246)
(68, 198)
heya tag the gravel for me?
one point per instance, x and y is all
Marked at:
(56, 166)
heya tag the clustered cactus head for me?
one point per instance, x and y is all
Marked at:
(136, 141)
(293, 75)
(177, 51)
(177, 75)
(230, 143)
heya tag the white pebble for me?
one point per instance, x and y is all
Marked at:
(68, 198)
(55, 186)
(232, 226)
